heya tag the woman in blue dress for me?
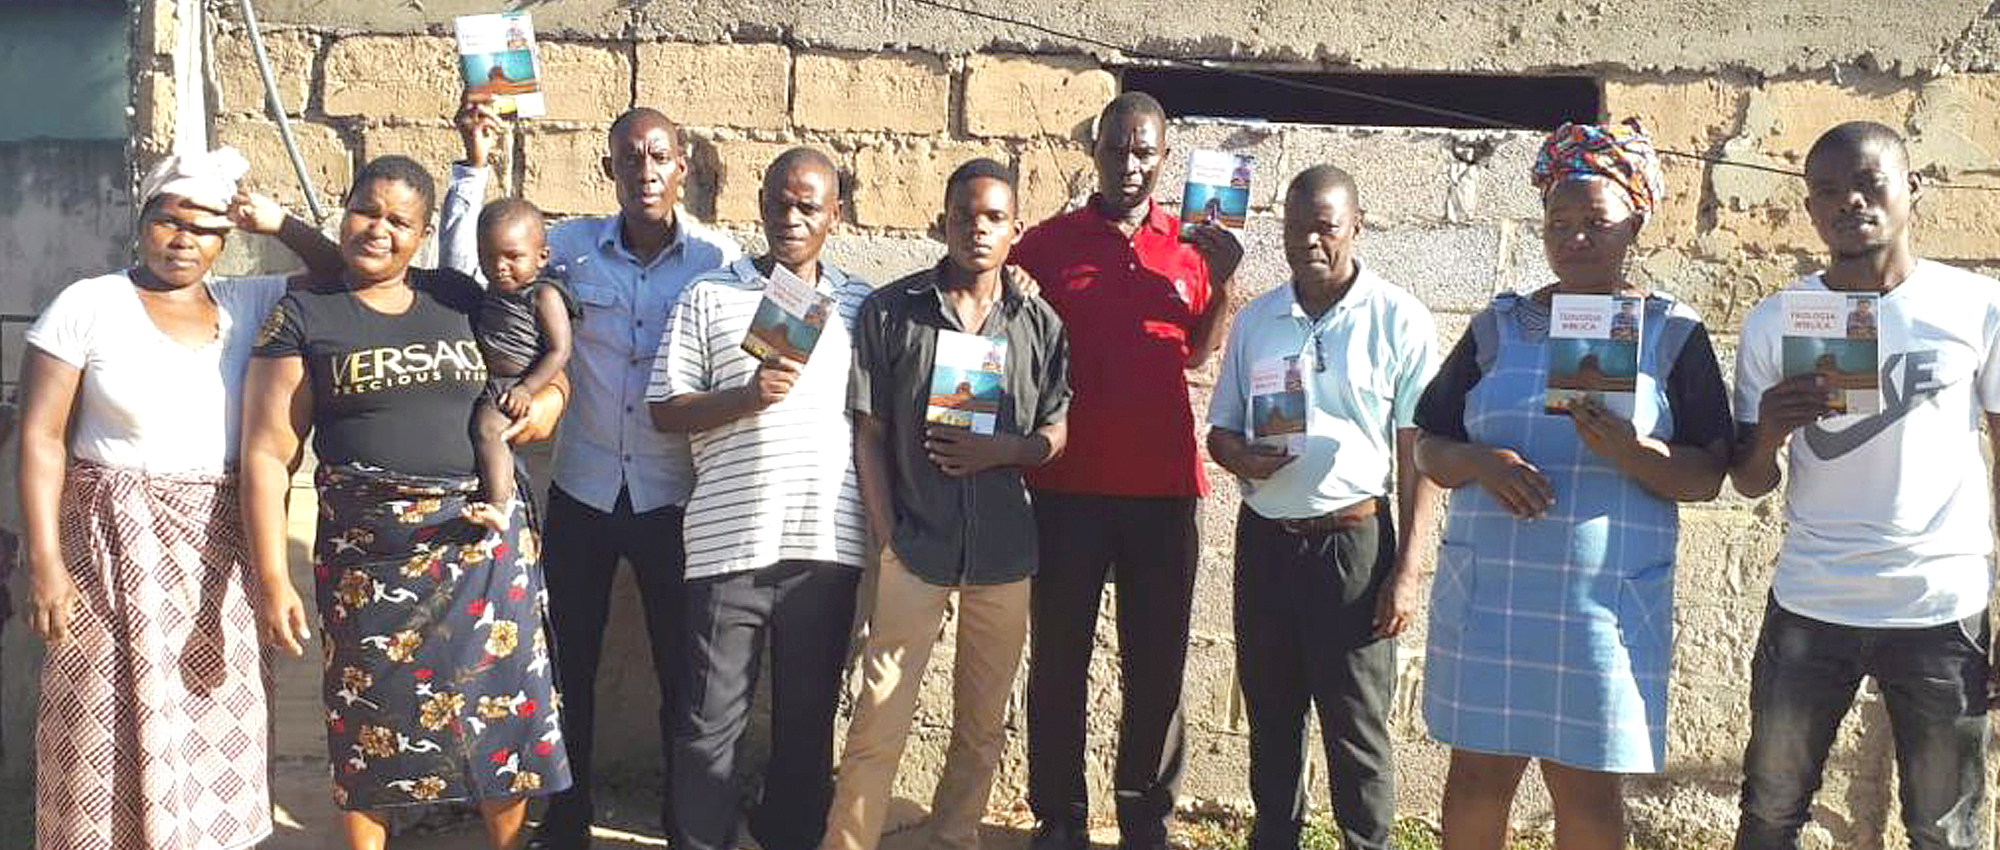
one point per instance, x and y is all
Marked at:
(1552, 612)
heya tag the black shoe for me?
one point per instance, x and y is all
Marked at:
(1060, 835)
(551, 836)
(1148, 836)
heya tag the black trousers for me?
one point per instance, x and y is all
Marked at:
(802, 610)
(581, 549)
(1305, 610)
(1150, 548)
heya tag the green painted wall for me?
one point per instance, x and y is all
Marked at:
(63, 72)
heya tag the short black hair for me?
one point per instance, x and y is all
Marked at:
(1128, 105)
(802, 156)
(647, 113)
(1320, 178)
(1857, 136)
(506, 211)
(397, 168)
(981, 168)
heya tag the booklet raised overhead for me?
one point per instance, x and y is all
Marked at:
(1217, 191)
(496, 56)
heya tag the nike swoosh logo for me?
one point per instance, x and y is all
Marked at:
(1828, 445)
(1900, 400)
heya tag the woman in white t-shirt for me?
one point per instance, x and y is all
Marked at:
(152, 726)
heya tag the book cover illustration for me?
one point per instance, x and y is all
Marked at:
(1218, 191)
(496, 56)
(967, 381)
(1593, 352)
(1278, 404)
(1833, 334)
(789, 320)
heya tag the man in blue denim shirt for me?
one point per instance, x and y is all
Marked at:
(620, 485)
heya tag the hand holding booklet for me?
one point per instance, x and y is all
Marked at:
(1833, 334)
(967, 381)
(1217, 192)
(1593, 352)
(496, 57)
(1278, 404)
(789, 320)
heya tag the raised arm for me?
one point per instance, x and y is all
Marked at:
(277, 415)
(1222, 253)
(48, 394)
(262, 215)
(458, 230)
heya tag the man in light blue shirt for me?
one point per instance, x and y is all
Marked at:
(620, 485)
(1314, 413)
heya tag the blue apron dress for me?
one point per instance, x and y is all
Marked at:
(1552, 638)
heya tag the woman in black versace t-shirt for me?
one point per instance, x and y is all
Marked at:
(437, 681)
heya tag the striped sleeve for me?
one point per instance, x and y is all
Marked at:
(682, 364)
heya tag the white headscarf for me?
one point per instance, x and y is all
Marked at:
(206, 180)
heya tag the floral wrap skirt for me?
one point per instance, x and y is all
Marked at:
(438, 683)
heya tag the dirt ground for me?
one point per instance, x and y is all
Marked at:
(307, 821)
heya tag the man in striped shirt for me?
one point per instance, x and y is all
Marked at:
(775, 534)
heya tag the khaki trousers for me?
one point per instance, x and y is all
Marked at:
(903, 626)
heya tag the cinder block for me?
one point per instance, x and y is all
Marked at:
(1796, 112)
(159, 26)
(903, 185)
(716, 85)
(329, 163)
(1052, 174)
(564, 172)
(1024, 96)
(1960, 224)
(879, 92)
(291, 53)
(730, 172)
(155, 102)
(583, 81)
(377, 76)
(1692, 117)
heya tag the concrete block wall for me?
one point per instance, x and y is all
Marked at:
(899, 98)
(895, 122)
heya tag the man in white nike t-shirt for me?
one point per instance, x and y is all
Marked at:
(1885, 566)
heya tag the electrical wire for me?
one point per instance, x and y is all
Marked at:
(1486, 121)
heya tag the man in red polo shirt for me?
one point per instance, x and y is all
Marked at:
(1141, 307)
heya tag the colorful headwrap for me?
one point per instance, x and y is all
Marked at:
(1620, 153)
(207, 180)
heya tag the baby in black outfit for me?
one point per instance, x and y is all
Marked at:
(524, 334)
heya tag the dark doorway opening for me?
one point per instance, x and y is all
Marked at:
(1537, 103)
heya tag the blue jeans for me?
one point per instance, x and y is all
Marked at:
(1933, 682)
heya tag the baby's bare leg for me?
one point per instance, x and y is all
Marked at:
(495, 460)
